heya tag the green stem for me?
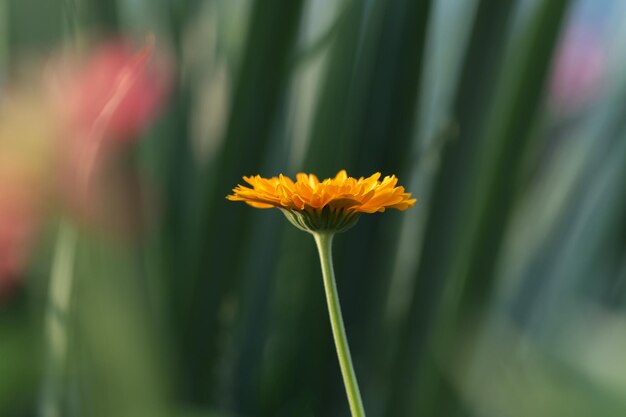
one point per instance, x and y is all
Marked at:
(56, 320)
(324, 243)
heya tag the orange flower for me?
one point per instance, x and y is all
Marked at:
(331, 204)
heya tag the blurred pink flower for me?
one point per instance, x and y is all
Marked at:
(103, 102)
(64, 135)
(116, 93)
(579, 67)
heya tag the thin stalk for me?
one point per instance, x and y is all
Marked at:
(324, 243)
(56, 320)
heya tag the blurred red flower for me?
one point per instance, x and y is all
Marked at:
(104, 102)
(115, 93)
(66, 132)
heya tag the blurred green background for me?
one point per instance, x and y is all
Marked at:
(502, 293)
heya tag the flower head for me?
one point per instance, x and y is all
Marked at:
(333, 204)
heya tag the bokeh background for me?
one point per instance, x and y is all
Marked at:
(502, 293)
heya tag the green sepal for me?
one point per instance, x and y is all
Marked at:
(327, 219)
